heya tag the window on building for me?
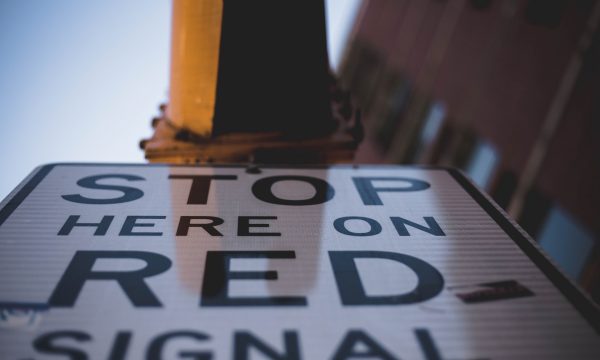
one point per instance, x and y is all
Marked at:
(504, 187)
(430, 129)
(465, 140)
(482, 163)
(566, 241)
(535, 212)
(433, 122)
(387, 113)
(362, 73)
(440, 148)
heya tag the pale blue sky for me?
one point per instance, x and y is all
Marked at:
(80, 80)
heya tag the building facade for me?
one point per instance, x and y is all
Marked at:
(508, 91)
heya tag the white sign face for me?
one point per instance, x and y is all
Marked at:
(104, 261)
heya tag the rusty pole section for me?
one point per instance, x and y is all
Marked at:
(195, 40)
(250, 82)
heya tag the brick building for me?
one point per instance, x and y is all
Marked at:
(506, 90)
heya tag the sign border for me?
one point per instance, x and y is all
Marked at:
(589, 310)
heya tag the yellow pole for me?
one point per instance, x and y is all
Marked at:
(195, 40)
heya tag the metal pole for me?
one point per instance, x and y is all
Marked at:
(195, 40)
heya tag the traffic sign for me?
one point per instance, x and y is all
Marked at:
(231, 262)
